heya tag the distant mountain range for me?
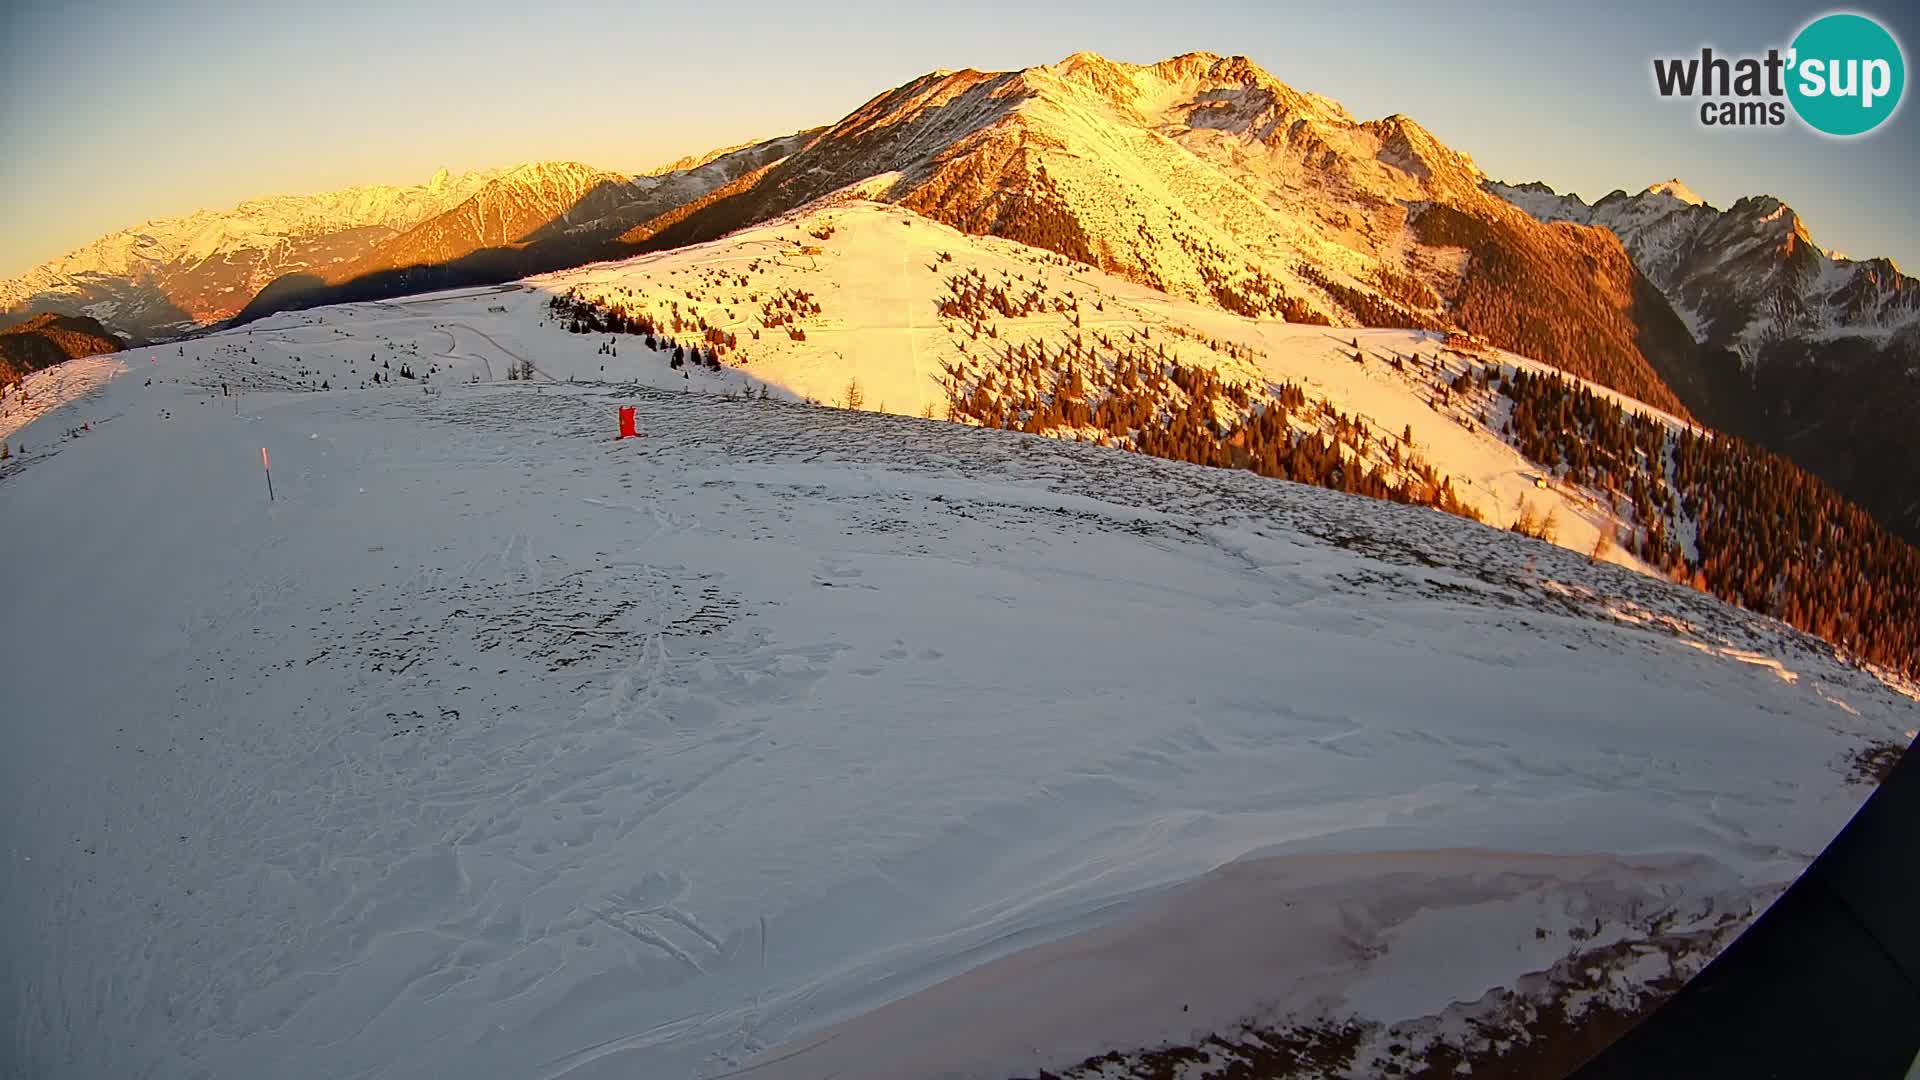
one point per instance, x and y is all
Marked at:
(1201, 176)
(1746, 277)
(526, 220)
(173, 275)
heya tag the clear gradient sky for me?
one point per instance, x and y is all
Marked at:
(113, 113)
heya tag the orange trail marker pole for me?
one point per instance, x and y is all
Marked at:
(269, 469)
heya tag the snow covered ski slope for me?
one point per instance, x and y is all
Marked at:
(798, 739)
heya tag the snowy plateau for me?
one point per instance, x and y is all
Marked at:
(796, 741)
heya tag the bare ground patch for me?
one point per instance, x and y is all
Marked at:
(1547, 1025)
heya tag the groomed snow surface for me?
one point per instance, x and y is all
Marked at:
(798, 740)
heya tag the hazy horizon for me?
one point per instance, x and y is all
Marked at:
(209, 105)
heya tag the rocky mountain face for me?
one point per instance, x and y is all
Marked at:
(1744, 277)
(526, 220)
(1207, 178)
(511, 206)
(172, 275)
(48, 339)
(1809, 353)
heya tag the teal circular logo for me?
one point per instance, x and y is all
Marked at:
(1847, 74)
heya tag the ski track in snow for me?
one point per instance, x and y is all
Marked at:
(494, 747)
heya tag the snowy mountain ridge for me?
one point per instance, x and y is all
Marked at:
(528, 220)
(1743, 277)
(694, 162)
(169, 274)
(1206, 178)
(1108, 135)
(173, 275)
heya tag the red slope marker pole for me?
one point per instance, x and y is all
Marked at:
(269, 469)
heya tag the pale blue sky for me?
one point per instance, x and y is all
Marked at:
(113, 113)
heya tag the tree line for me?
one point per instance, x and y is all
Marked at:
(1765, 534)
(582, 316)
(1141, 398)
